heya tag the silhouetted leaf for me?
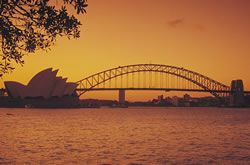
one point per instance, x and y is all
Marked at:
(29, 25)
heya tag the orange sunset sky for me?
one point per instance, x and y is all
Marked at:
(211, 37)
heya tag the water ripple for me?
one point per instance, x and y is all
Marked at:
(132, 136)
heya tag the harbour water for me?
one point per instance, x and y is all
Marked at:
(125, 136)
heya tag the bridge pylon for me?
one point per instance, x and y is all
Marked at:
(237, 93)
(122, 96)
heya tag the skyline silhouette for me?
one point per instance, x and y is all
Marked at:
(212, 38)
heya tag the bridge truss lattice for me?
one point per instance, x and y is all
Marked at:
(157, 76)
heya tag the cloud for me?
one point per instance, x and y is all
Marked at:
(176, 22)
(199, 27)
(181, 22)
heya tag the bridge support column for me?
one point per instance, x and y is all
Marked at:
(237, 93)
(122, 96)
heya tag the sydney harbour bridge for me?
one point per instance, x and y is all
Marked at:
(159, 77)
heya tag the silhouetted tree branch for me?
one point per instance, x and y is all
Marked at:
(30, 25)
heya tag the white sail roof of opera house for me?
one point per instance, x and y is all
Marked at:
(44, 84)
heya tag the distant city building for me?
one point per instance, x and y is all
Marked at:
(2, 92)
(187, 97)
(160, 98)
(44, 84)
(187, 100)
(175, 100)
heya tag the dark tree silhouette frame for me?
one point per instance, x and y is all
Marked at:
(29, 25)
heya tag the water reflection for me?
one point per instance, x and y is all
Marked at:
(125, 136)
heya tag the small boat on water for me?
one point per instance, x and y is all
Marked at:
(27, 106)
(119, 106)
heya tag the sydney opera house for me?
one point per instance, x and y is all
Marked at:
(43, 86)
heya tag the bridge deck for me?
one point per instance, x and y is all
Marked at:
(158, 89)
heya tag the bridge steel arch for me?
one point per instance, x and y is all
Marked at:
(200, 80)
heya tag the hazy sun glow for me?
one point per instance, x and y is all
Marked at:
(210, 37)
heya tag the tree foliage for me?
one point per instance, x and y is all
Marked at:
(29, 25)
